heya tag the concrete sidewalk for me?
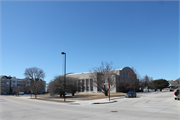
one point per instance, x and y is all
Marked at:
(97, 101)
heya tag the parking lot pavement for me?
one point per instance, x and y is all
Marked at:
(157, 106)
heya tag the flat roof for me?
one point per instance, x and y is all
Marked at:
(85, 72)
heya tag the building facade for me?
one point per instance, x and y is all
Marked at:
(8, 84)
(174, 84)
(85, 80)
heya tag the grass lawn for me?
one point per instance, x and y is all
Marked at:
(78, 96)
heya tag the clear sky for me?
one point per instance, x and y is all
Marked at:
(143, 35)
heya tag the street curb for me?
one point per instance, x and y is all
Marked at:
(104, 102)
(74, 103)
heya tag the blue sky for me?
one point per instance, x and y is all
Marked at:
(143, 35)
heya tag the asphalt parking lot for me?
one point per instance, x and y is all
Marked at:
(158, 106)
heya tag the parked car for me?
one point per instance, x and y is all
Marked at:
(130, 94)
(176, 95)
(21, 93)
(171, 90)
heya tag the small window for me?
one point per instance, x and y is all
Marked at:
(123, 75)
(87, 82)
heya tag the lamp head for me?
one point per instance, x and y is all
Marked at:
(63, 53)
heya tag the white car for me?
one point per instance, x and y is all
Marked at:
(176, 95)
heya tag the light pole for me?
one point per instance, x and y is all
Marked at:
(63, 53)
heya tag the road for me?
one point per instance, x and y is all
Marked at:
(157, 106)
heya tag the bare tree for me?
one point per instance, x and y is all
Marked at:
(134, 84)
(59, 86)
(36, 76)
(137, 74)
(72, 86)
(128, 83)
(124, 84)
(103, 74)
(146, 79)
(17, 89)
(152, 84)
(56, 86)
(20, 87)
(51, 88)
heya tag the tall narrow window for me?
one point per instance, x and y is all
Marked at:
(83, 86)
(91, 84)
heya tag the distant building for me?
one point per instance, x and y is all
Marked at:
(174, 83)
(8, 84)
(5, 84)
(86, 81)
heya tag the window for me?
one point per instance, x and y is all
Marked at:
(91, 84)
(87, 82)
(126, 73)
(83, 88)
(87, 88)
(7, 83)
(91, 88)
(19, 82)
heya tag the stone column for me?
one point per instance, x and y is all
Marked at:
(89, 85)
(80, 85)
(90, 82)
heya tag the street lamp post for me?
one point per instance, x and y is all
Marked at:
(63, 53)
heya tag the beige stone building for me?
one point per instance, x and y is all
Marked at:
(86, 80)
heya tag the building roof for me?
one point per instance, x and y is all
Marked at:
(5, 77)
(85, 72)
(173, 83)
(8, 77)
(1, 76)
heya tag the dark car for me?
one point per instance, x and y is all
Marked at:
(130, 94)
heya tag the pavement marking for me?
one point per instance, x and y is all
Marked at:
(15, 101)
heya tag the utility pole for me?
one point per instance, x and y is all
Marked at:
(63, 53)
